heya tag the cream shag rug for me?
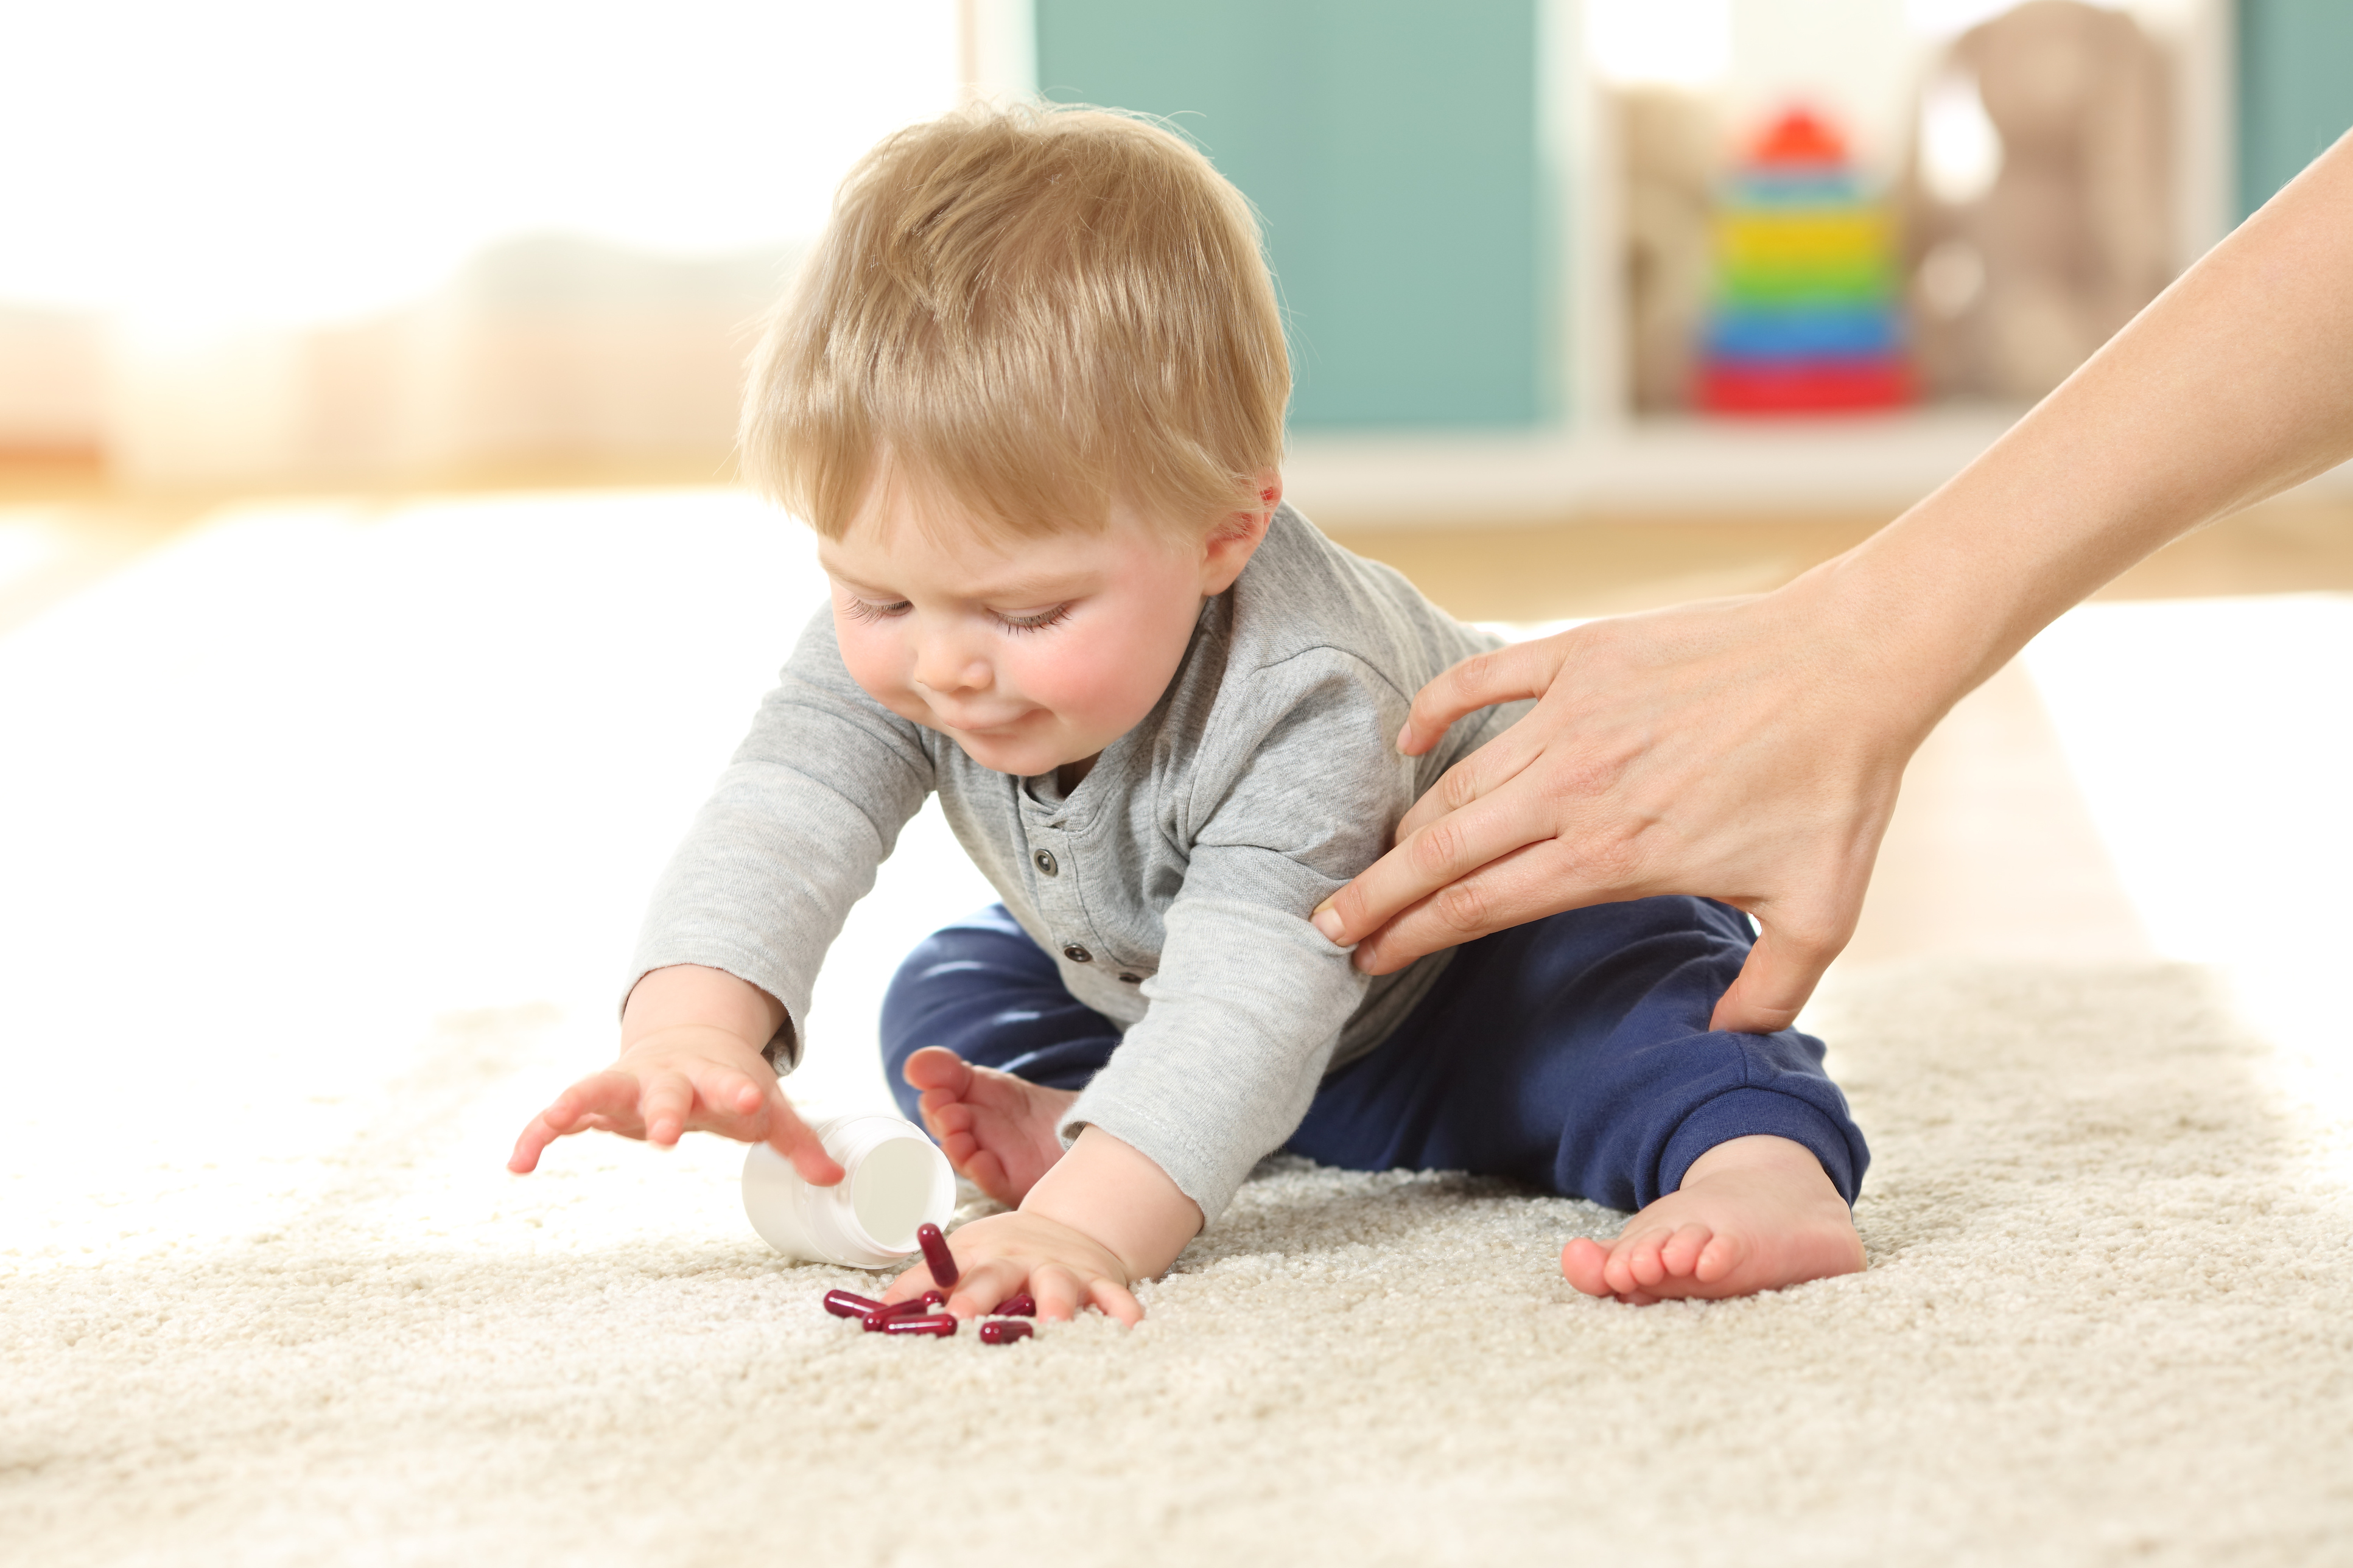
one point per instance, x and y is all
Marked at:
(2109, 1318)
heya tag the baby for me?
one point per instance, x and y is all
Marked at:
(1029, 390)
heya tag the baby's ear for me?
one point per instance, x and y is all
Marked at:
(1235, 537)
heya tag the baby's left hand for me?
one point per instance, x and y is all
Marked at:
(1001, 1256)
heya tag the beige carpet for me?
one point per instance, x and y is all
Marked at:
(2109, 1318)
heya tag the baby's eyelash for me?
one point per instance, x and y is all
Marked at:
(1037, 622)
(860, 610)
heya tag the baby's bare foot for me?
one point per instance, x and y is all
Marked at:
(1755, 1214)
(997, 1128)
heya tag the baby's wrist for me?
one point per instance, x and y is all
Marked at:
(691, 1000)
(1119, 1199)
(695, 1039)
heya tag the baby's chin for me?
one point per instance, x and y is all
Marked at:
(1022, 756)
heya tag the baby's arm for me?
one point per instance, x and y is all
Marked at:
(743, 914)
(692, 1059)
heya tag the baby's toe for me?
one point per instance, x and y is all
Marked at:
(1722, 1256)
(1681, 1252)
(984, 1169)
(1585, 1264)
(945, 1113)
(1634, 1263)
(935, 1067)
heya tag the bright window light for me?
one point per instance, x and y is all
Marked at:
(1960, 150)
(1951, 18)
(1947, 18)
(1668, 43)
(277, 161)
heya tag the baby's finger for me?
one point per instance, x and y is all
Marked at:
(662, 1106)
(582, 1106)
(730, 1102)
(536, 1137)
(985, 1286)
(788, 1135)
(610, 1094)
(910, 1284)
(1116, 1299)
(1058, 1291)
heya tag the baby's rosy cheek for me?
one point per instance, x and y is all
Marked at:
(873, 663)
(1079, 689)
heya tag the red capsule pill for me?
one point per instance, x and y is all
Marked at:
(1003, 1331)
(877, 1319)
(846, 1304)
(939, 1325)
(934, 1298)
(936, 1253)
(1025, 1305)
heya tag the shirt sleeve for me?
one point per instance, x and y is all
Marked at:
(1298, 792)
(811, 804)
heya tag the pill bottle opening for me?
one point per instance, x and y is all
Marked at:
(890, 1191)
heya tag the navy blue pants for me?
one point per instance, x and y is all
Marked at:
(1571, 1053)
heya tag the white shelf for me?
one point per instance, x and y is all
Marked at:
(1764, 468)
(1665, 467)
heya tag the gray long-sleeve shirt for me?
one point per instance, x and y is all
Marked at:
(1172, 885)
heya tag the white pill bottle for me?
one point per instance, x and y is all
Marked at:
(895, 1179)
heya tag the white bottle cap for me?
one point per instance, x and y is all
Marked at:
(896, 1179)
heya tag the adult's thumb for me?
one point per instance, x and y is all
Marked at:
(1772, 986)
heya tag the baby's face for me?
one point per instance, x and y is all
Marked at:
(1029, 654)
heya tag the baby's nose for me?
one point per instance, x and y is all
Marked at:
(943, 666)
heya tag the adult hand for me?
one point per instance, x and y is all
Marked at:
(1749, 751)
(1727, 748)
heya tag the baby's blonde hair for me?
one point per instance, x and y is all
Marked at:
(1034, 313)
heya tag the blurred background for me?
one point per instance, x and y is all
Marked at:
(250, 243)
(377, 601)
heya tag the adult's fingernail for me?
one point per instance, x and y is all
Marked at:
(1328, 921)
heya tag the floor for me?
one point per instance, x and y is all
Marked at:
(2102, 1328)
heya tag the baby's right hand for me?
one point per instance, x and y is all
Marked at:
(677, 1080)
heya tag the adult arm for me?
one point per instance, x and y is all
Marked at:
(1750, 750)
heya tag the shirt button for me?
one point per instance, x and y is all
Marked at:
(1078, 955)
(1044, 861)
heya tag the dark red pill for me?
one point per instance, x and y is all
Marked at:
(1003, 1332)
(934, 1298)
(881, 1316)
(936, 1253)
(939, 1325)
(846, 1304)
(1025, 1305)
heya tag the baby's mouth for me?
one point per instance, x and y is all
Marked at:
(990, 729)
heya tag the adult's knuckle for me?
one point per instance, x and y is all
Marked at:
(1459, 786)
(1461, 907)
(1579, 777)
(1437, 847)
(1477, 675)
